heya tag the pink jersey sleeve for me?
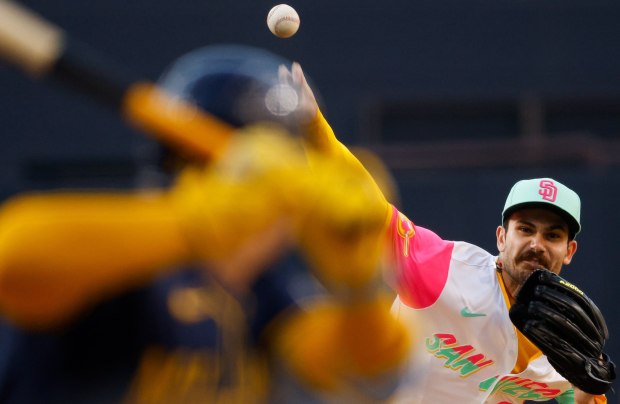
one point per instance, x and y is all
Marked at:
(419, 259)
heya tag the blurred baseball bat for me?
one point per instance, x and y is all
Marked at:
(43, 50)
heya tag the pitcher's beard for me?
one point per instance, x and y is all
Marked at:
(517, 275)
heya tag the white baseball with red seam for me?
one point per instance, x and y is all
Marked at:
(283, 21)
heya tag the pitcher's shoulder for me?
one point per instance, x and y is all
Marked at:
(472, 255)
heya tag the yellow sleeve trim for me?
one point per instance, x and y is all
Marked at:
(600, 400)
(527, 351)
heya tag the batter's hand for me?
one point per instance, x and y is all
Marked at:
(331, 345)
(225, 206)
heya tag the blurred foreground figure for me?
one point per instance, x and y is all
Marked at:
(190, 293)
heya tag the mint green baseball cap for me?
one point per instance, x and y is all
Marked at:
(546, 192)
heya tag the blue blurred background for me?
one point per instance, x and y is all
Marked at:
(460, 99)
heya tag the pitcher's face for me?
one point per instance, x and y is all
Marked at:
(533, 238)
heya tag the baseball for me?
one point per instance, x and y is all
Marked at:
(283, 21)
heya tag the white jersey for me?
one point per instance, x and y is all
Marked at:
(465, 346)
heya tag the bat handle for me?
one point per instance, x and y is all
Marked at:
(175, 121)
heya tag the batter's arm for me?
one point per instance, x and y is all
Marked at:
(60, 252)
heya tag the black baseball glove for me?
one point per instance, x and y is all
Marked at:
(567, 327)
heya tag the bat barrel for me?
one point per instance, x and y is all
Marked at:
(27, 40)
(44, 50)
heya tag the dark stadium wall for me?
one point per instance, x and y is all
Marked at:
(370, 62)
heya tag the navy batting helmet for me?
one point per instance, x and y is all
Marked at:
(238, 84)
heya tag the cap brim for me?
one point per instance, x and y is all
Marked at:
(573, 227)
